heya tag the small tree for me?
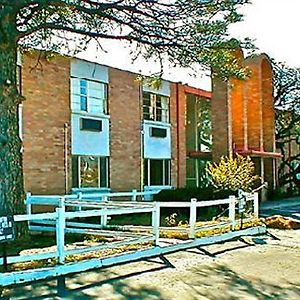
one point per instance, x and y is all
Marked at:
(233, 173)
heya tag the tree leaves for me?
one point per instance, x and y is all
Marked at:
(184, 32)
(233, 173)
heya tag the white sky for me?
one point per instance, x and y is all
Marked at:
(273, 24)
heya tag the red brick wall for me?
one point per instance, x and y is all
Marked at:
(46, 86)
(245, 108)
(268, 107)
(221, 127)
(125, 137)
(238, 113)
(181, 135)
(254, 105)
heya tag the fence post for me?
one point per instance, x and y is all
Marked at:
(193, 217)
(28, 207)
(232, 211)
(256, 204)
(79, 196)
(60, 230)
(156, 222)
(133, 198)
(104, 217)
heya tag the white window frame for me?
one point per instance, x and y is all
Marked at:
(153, 108)
(89, 97)
(99, 171)
(168, 161)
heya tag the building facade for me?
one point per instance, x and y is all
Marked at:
(89, 126)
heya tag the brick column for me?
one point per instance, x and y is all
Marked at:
(221, 120)
(254, 102)
(125, 131)
(46, 87)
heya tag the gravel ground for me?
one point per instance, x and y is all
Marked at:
(256, 268)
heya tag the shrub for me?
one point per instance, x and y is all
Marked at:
(186, 194)
(233, 173)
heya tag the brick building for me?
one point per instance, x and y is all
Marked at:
(87, 126)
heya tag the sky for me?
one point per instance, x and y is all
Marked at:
(272, 24)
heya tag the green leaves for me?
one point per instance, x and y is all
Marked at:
(233, 173)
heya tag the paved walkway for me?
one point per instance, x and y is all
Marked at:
(261, 268)
(287, 207)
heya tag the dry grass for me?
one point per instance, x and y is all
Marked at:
(280, 222)
(92, 240)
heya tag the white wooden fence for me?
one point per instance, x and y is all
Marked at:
(92, 202)
(60, 222)
(59, 219)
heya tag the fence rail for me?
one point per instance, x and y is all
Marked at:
(61, 222)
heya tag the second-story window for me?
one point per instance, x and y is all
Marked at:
(83, 95)
(89, 96)
(155, 107)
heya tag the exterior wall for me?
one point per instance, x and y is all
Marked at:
(268, 107)
(179, 143)
(220, 107)
(45, 111)
(238, 112)
(125, 137)
(254, 106)
(243, 117)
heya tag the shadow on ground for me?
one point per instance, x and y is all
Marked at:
(155, 279)
(217, 282)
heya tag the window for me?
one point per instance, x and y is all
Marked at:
(157, 172)
(155, 107)
(158, 132)
(89, 171)
(204, 125)
(83, 95)
(89, 96)
(90, 125)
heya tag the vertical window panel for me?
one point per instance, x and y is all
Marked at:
(83, 103)
(92, 96)
(103, 172)
(157, 172)
(155, 107)
(89, 171)
(75, 175)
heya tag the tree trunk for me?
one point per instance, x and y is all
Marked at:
(11, 178)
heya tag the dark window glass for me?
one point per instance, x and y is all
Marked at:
(167, 172)
(156, 172)
(91, 125)
(103, 171)
(158, 132)
(75, 178)
(146, 181)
